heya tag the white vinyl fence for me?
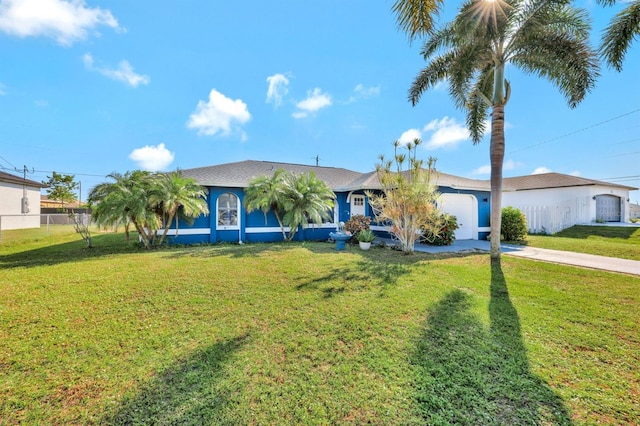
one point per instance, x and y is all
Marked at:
(555, 218)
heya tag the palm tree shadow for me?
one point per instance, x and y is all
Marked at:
(470, 375)
(185, 393)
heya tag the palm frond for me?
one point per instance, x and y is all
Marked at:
(416, 17)
(618, 36)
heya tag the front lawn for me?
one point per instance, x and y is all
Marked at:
(622, 242)
(301, 334)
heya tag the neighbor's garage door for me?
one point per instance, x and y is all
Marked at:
(608, 208)
(462, 207)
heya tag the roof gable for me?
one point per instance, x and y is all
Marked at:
(553, 180)
(6, 177)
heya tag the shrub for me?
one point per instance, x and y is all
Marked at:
(357, 223)
(365, 236)
(514, 225)
(446, 236)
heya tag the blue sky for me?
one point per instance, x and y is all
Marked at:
(92, 87)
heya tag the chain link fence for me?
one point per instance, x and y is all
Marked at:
(30, 226)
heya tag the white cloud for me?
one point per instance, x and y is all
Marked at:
(441, 85)
(575, 173)
(361, 92)
(409, 136)
(277, 89)
(123, 73)
(64, 21)
(447, 133)
(482, 170)
(218, 115)
(541, 170)
(510, 165)
(486, 169)
(315, 101)
(152, 158)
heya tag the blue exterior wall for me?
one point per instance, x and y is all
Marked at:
(484, 207)
(252, 226)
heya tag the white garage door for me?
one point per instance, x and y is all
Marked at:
(608, 208)
(462, 207)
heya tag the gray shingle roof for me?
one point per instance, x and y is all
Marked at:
(239, 174)
(457, 182)
(553, 180)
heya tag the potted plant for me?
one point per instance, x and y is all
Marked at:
(365, 238)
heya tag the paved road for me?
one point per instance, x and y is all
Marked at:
(555, 256)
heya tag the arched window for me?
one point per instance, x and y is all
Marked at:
(227, 208)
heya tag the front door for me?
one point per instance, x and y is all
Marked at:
(357, 205)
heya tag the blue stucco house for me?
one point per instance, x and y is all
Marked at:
(228, 221)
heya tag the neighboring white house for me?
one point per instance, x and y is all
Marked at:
(554, 201)
(19, 202)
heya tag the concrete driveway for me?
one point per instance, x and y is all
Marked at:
(554, 256)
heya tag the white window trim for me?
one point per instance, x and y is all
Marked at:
(227, 227)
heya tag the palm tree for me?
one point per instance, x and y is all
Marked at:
(306, 199)
(126, 201)
(266, 194)
(177, 196)
(541, 37)
(620, 33)
(416, 17)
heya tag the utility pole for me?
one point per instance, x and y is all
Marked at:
(25, 200)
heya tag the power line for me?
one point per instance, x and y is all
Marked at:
(6, 161)
(622, 177)
(577, 131)
(70, 173)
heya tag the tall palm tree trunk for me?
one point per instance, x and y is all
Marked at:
(497, 159)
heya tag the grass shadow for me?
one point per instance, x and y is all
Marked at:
(227, 249)
(468, 374)
(583, 232)
(68, 252)
(185, 393)
(378, 267)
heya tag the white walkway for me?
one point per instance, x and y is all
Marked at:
(604, 263)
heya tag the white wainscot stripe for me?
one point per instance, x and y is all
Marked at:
(484, 229)
(271, 229)
(380, 228)
(187, 231)
(264, 229)
(323, 226)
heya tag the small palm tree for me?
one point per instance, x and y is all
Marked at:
(113, 203)
(266, 194)
(541, 37)
(306, 199)
(148, 201)
(176, 196)
(621, 32)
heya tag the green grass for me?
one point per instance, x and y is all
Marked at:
(622, 242)
(301, 334)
